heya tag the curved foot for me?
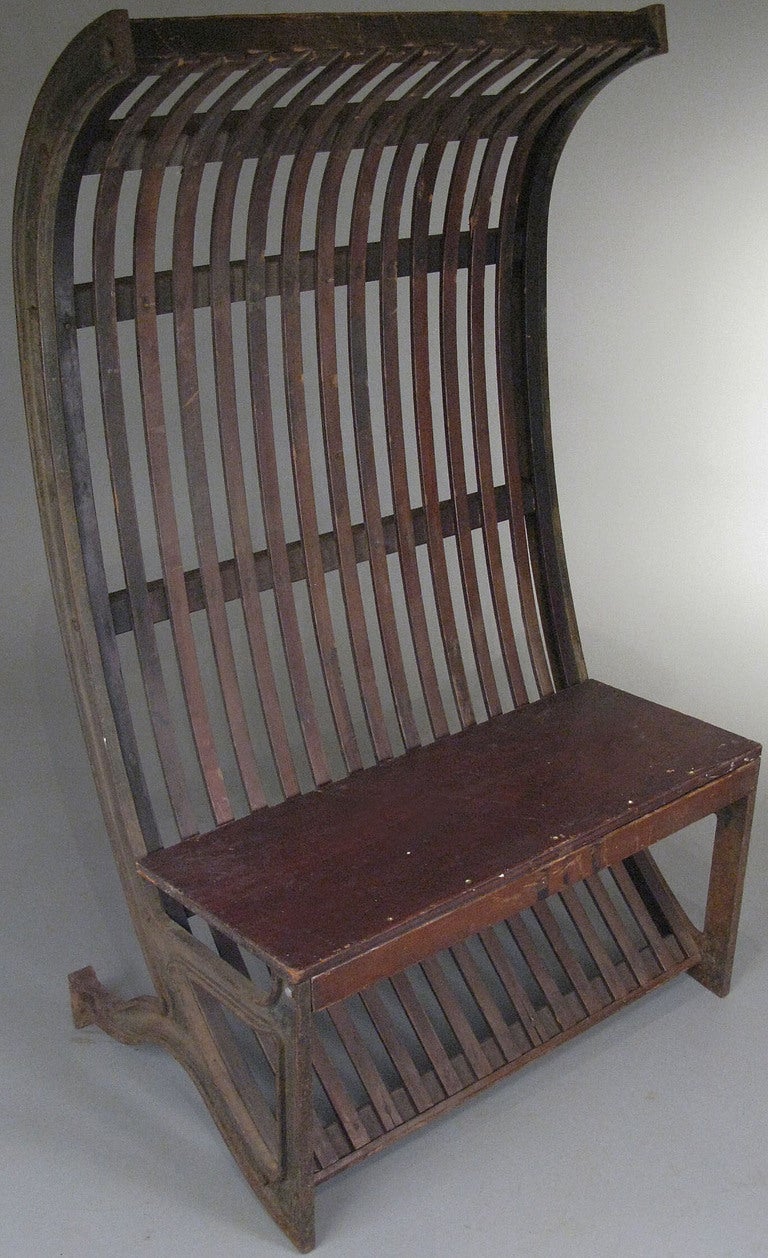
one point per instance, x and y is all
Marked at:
(199, 1038)
(129, 1021)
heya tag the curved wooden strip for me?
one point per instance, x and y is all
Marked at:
(476, 287)
(293, 357)
(448, 75)
(479, 117)
(391, 384)
(524, 91)
(229, 433)
(153, 410)
(555, 69)
(87, 518)
(448, 119)
(357, 325)
(187, 198)
(513, 312)
(265, 440)
(113, 410)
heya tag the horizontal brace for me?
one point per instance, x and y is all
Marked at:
(398, 112)
(125, 290)
(158, 602)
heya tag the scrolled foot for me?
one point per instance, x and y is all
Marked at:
(129, 1021)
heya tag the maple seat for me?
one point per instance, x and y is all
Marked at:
(281, 296)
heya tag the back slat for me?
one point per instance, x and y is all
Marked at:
(113, 408)
(318, 223)
(325, 317)
(450, 378)
(360, 382)
(447, 109)
(300, 442)
(389, 313)
(574, 75)
(194, 438)
(265, 437)
(226, 396)
(158, 455)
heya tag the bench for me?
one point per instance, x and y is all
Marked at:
(281, 298)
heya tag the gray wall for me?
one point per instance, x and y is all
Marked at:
(658, 326)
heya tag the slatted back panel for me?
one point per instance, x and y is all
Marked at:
(292, 299)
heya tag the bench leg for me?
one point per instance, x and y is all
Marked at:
(192, 1028)
(296, 1112)
(726, 885)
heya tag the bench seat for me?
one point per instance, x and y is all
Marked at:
(360, 877)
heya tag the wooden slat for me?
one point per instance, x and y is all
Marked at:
(593, 942)
(240, 576)
(485, 1001)
(669, 907)
(445, 111)
(521, 1001)
(643, 918)
(477, 278)
(336, 1091)
(426, 1034)
(468, 121)
(193, 435)
(158, 603)
(153, 410)
(357, 336)
(455, 1016)
(389, 319)
(402, 1059)
(570, 963)
(511, 402)
(522, 389)
(125, 289)
(325, 316)
(616, 926)
(366, 1067)
(113, 411)
(549, 988)
(265, 438)
(311, 143)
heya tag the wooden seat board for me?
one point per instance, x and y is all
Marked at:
(312, 880)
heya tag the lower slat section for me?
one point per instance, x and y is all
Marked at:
(414, 1046)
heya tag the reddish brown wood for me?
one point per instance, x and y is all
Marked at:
(433, 830)
(263, 418)
(430, 1040)
(158, 458)
(198, 480)
(401, 1058)
(113, 406)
